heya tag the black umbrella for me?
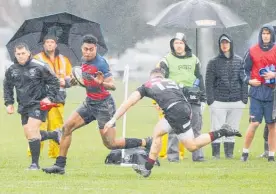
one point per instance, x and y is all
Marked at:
(68, 28)
(196, 14)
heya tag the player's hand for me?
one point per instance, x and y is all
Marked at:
(62, 82)
(10, 109)
(269, 75)
(254, 82)
(46, 101)
(99, 79)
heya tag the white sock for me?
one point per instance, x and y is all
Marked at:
(244, 150)
(271, 153)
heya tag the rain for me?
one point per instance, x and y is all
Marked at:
(133, 36)
(125, 28)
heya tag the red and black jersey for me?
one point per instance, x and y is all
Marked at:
(164, 91)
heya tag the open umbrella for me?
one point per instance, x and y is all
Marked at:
(68, 28)
(196, 14)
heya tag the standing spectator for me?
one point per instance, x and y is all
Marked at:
(260, 56)
(226, 93)
(269, 75)
(183, 67)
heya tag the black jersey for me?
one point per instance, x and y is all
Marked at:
(164, 91)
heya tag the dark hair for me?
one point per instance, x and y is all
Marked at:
(158, 70)
(52, 37)
(266, 29)
(21, 46)
(90, 39)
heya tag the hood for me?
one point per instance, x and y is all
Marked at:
(272, 41)
(182, 37)
(231, 45)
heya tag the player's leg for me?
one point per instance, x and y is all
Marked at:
(77, 119)
(161, 128)
(103, 113)
(268, 108)
(111, 142)
(43, 130)
(192, 144)
(31, 124)
(256, 115)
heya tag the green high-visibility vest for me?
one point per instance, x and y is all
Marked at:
(182, 70)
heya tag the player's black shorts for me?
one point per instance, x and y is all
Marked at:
(179, 117)
(102, 111)
(33, 112)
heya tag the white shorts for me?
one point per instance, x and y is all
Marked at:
(182, 136)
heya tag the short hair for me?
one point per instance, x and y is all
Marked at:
(266, 29)
(90, 39)
(21, 46)
(158, 70)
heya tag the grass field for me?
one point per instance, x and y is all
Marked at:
(87, 173)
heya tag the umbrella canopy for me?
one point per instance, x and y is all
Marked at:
(196, 14)
(69, 30)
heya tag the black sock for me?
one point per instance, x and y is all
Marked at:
(149, 164)
(35, 149)
(132, 143)
(48, 135)
(61, 161)
(216, 134)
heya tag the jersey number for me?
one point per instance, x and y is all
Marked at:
(166, 85)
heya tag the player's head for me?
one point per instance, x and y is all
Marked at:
(157, 73)
(89, 47)
(22, 53)
(50, 43)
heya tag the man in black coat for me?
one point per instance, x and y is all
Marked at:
(226, 93)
